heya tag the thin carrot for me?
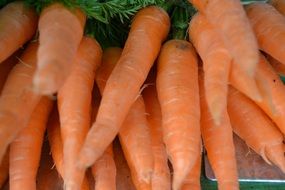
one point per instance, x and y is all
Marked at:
(74, 103)
(60, 32)
(192, 180)
(279, 5)
(4, 169)
(229, 18)
(25, 150)
(56, 146)
(134, 135)
(251, 124)
(5, 68)
(269, 28)
(17, 100)
(104, 171)
(273, 103)
(149, 28)
(18, 25)
(277, 66)
(161, 174)
(178, 94)
(218, 141)
(216, 63)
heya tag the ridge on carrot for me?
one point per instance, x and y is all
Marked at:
(149, 28)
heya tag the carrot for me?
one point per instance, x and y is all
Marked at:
(5, 68)
(216, 63)
(134, 135)
(273, 103)
(269, 28)
(60, 32)
(229, 18)
(277, 66)
(192, 180)
(252, 125)
(74, 103)
(178, 94)
(17, 100)
(149, 28)
(25, 150)
(104, 171)
(218, 141)
(4, 169)
(56, 146)
(161, 174)
(18, 25)
(279, 5)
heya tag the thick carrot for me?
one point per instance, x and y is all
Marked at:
(18, 25)
(273, 103)
(149, 28)
(17, 100)
(6, 67)
(161, 174)
(192, 180)
(229, 18)
(279, 5)
(277, 66)
(25, 150)
(134, 135)
(104, 171)
(218, 141)
(251, 124)
(178, 94)
(56, 146)
(74, 103)
(4, 169)
(60, 32)
(269, 28)
(216, 63)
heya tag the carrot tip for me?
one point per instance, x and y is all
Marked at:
(216, 110)
(43, 85)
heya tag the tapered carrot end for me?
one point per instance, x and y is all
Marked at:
(216, 108)
(146, 177)
(45, 85)
(228, 185)
(276, 155)
(179, 177)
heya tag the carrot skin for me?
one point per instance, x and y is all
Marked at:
(149, 28)
(279, 5)
(269, 27)
(18, 25)
(64, 35)
(252, 125)
(161, 175)
(17, 100)
(25, 150)
(277, 66)
(178, 94)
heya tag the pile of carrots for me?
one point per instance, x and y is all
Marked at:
(165, 99)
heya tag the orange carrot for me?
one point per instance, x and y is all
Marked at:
(104, 171)
(18, 25)
(5, 68)
(60, 31)
(134, 135)
(74, 103)
(269, 28)
(216, 63)
(149, 28)
(218, 141)
(229, 18)
(279, 5)
(17, 100)
(161, 174)
(274, 93)
(25, 150)
(251, 124)
(4, 169)
(192, 180)
(56, 146)
(277, 66)
(178, 94)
